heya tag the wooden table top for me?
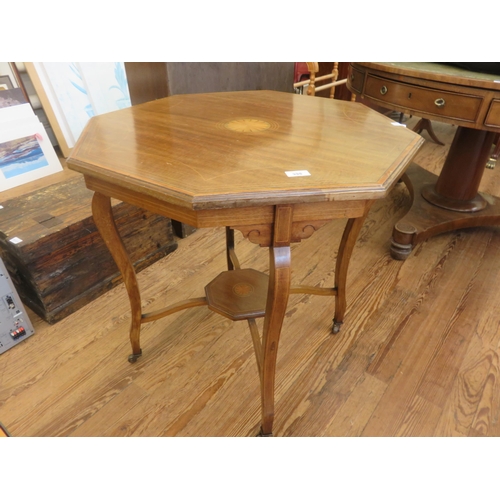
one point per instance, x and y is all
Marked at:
(233, 149)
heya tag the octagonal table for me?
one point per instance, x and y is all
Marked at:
(275, 166)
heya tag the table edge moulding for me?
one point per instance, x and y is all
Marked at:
(132, 168)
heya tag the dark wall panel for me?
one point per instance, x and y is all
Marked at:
(196, 77)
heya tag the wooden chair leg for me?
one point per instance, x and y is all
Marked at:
(103, 219)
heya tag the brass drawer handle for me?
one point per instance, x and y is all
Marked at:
(440, 102)
(383, 90)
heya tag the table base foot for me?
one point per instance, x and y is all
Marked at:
(400, 251)
(424, 219)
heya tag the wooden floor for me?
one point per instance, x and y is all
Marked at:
(418, 354)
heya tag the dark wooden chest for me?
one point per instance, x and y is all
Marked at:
(61, 263)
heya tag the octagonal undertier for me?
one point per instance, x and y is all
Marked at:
(239, 294)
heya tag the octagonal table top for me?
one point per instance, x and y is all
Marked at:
(248, 148)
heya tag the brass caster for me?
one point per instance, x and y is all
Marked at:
(261, 434)
(491, 163)
(336, 326)
(134, 357)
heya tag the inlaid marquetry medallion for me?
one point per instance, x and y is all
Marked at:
(248, 125)
(243, 289)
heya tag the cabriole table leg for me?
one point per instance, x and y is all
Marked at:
(277, 300)
(103, 219)
(349, 237)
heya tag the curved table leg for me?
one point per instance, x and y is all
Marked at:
(349, 237)
(277, 300)
(232, 260)
(425, 124)
(103, 218)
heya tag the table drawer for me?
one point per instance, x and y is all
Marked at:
(493, 116)
(434, 102)
(356, 79)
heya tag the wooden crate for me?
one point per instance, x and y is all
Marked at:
(61, 264)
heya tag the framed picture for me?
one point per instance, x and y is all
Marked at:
(26, 153)
(71, 93)
(12, 97)
(5, 83)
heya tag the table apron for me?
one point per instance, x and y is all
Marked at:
(242, 216)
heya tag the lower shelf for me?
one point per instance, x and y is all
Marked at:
(238, 294)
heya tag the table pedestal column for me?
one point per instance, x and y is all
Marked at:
(450, 201)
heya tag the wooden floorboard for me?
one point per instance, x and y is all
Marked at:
(418, 354)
